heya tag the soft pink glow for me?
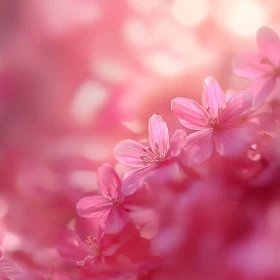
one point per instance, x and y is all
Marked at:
(121, 157)
(187, 13)
(238, 18)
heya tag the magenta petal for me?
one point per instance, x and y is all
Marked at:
(261, 89)
(232, 141)
(199, 147)
(213, 97)
(178, 141)
(236, 106)
(114, 221)
(190, 114)
(72, 247)
(249, 66)
(158, 135)
(135, 179)
(269, 44)
(93, 206)
(109, 181)
(129, 152)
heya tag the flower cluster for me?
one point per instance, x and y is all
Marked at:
(192, 205)
(202, 203)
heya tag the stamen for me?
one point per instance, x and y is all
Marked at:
(208, 111)
(152, 157)
(214, 121)
(93, 245)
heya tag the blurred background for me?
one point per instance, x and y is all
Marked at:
(78, 76)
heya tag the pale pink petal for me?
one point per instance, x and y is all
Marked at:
(213, 97)
(250, 66)
(261, 89)
(72, 247)
(109, 181)
(129, 152)
(108, 244)
(232, 141)
(198, 148)
(114, 221)
(135, 179)
(190, 114)
(167, 240)
(93, 206)
(178, 141)
(158, 135)
(228, 94)
(236, 106)
(9, 268)
(269, 44)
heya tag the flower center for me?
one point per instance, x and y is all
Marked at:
(114, 195)
(213, 122)
(92, 244)
(92, 247)
(117, 202)
(152, 157)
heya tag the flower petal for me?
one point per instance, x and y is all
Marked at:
(135, 179)
(129, 152)
(72, 247)
(158, 135)
(261, 89)
(109, 181)
(114, 221)
(269, 44)
(93, 206)
(9, 268)
(178, 141)
(232, 141)
(199, 147)
(213, 97)
(190, 114)
(249, 66)
(236, 106)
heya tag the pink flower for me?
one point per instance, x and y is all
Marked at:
(146, 158)
(112, 206)
(99, 253)
(262, 67)
(219, 123)
(84, 254)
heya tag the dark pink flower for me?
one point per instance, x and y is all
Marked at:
(262, 67)
(146, 158)
(219, 123)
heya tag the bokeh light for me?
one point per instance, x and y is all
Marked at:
(89, 99)
(246, 17)
(188, 13)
